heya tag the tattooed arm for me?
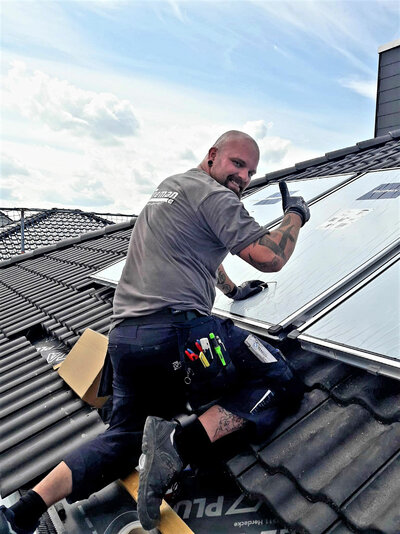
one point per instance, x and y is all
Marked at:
(272, 250)
(224, 283)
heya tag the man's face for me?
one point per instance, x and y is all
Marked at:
(234, 164)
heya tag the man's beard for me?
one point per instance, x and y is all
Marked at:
(233, 179)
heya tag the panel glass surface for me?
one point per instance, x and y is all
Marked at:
(368, 320)
(110, 275)
(266, 204)
(343, 233)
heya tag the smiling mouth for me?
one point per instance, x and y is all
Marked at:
(235, 184)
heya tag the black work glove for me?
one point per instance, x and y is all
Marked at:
(295, 204)
(245, 290)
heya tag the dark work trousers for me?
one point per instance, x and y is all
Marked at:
(148, 379)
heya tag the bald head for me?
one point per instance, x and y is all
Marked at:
(235, 135)
(232, 160)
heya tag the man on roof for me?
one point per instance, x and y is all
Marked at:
(168, 353)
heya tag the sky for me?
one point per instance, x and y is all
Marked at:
(101, 100)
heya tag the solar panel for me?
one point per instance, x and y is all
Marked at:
(110, 275)
(364, 325)
(265, 205)
(345, 234)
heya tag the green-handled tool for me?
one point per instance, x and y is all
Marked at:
(217, 348)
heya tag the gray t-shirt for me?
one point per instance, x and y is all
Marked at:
(179, 240)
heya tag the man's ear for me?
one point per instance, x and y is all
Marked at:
(212, 153)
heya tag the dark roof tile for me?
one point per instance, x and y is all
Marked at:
(362, 145)
(19, 375)
(17, 428)
(34, 456)
(336, 154)
(378, 394)
(380, 152)
(376, 508)
(395, 133)
(317, 371)
(310, 163)
(24, 325)
(346, 459)
(311, 401)
(339, 528)
(284, 499)
(21, 397)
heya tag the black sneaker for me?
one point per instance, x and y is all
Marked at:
(159, 466)
(7, 525)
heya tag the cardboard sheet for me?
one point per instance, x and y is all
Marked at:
(82, 367)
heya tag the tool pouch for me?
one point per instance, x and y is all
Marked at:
(205, 384)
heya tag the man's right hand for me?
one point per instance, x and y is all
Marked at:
(294, 204)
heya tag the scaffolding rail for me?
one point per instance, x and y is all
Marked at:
(14, 219)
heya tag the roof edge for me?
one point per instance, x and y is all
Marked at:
(389, 46)
(329, 156)
(110, 229)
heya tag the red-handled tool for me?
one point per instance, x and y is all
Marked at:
(191, 355)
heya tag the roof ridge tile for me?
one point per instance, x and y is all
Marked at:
(310, 162)
(374, 141)
(329, 156)
(342, 152)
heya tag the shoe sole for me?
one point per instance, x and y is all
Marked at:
(148, 448)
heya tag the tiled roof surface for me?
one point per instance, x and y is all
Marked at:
(332, 467)
(335, 464)
(40, 417)
(45, 228)
(4, 219)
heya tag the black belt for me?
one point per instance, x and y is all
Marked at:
(168, 315)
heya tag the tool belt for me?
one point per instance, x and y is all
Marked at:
(208, 368)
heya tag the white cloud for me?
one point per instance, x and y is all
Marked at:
(275, 152)
(11, 166)
(62, 106)
(257, 129)
(365, 88)
(273, 149)
(176, 10)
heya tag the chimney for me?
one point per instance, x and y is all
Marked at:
(387, 114)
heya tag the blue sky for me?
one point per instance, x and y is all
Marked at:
(103, 99)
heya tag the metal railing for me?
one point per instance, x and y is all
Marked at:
(11, 218)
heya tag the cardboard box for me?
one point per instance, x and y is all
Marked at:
(82, 367)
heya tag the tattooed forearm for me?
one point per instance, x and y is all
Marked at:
(266, 266)
(287, 233)
(271, 251)
(223, 281)
(228, 422)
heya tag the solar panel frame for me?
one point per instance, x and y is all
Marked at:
(372, 361)
(324, 298)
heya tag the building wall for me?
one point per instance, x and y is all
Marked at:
(388, 91)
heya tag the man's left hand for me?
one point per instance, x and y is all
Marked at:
(246, 290)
